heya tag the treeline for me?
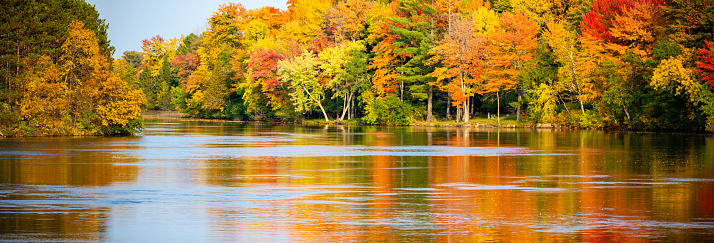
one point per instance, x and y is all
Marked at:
(639, 64)
(56, 73)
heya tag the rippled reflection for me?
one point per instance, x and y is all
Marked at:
(245, 182)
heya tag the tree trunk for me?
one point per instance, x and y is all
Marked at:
(498, 108)
(465, 105)
(466, 110)
(318, 103)
(577, 82)
(564, 105)
(459, 111)
(518, 109)
(346, 106)
(448, 107)
(429, 114)
(323, 112)
(401, 91)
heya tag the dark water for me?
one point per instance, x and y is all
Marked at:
(235, 182)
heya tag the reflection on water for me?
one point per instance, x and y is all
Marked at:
(240, 182)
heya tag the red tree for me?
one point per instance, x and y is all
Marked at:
(706, 65)
(600, 18)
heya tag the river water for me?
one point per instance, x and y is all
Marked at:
(193, 181)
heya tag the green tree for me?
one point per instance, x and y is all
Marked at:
(344, 66)
(302, 74)
(413, 28)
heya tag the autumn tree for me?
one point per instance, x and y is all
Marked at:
(349, 19)
(621, 35)
(706, 64)
(307, 19)
(44, 101)
(410, 35)
(461, 54)
(264, 89)
(690, 21)
(564, 44)
(385, 60)
(302, 75)
(344, 67)
(69, 97)
(210, 86)
(514, 45)
(673, 75)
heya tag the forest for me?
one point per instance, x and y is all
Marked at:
(607, 64)
(57, 73)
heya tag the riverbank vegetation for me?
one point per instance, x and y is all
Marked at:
(618, 64)
(627, 64)
(57, 73)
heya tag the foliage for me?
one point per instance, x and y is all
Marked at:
(623, 64)
(672, 75)
(301, 74)
(706, 65)
(343, 67)
(389, 110)
(543, 103)
(76, 93)
(462, 54)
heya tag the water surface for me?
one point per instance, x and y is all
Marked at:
(192, 181)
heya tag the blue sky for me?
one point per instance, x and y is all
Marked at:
(131, 21)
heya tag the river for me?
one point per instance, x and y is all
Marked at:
(199, 182)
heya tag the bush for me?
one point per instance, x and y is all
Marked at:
(591, 119)
(388, 111)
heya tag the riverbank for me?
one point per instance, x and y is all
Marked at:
(153, 115)
(508, 122)
(481, 122)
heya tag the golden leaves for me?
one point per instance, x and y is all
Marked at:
(79, 95)
(80, 53)
(44, 97)
(115, 103)
(671, 74)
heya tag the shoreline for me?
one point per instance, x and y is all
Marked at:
(476, 123)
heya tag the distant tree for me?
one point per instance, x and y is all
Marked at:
(133, 58)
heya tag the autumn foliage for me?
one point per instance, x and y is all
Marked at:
(706, 64)
(70, 89)
(620, 64)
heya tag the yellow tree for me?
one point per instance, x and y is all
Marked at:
(537, 10)
(157, 50)
(349, 19)
(564, 43)
(116, 106)
(301, 74)
(209, 85)
(80, 58)
(80, 55)
(672, 75)
(79, 95)
(44, 104)
(112, 105)
(307, 19)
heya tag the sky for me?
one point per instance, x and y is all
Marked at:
(131, 21)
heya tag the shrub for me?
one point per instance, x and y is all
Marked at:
(388, 111)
